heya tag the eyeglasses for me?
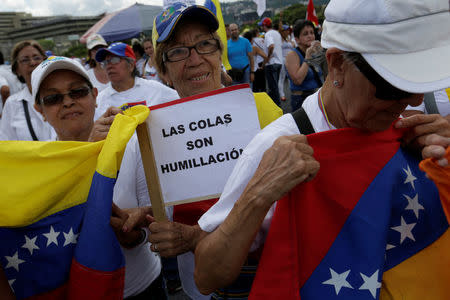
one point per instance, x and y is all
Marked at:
(113, 60)
(180, 53)
(384, 90)
(27, 60)
(58, 98)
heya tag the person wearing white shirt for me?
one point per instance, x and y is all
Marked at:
(64, 94)
(274, 60)
(20, 120)
(119, 61)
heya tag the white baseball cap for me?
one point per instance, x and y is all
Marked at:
(405, 42)
(51, 64)
(95, 40)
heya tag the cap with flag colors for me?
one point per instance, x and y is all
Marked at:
(119, 49)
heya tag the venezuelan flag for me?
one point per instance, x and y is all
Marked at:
(369, 226)
(54, 215)
(214, 6)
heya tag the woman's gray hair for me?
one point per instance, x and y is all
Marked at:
(131, 61)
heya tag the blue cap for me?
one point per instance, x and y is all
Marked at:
(166, 21)
(285, 27)
(118, 49)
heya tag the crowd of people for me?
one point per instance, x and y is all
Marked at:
(343, 77)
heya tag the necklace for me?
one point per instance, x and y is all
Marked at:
(322, 108)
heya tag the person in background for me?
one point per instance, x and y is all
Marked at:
(139, 53)
(20, 121)
(119, 62)
(148, 69)
(258, 56)
(96, 73)
(304, 76)
(259, 84)
(272, 40)
(9, 84)
(240, 56)
(286, 47)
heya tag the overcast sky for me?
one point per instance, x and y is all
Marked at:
(70, 7)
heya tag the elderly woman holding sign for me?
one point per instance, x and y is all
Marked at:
(188, 56)
(371, 80)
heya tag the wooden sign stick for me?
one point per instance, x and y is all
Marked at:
(151, 172)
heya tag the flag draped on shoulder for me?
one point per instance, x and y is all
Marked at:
(54, 215)
(214, 6)
(311, 13)
(369, 226)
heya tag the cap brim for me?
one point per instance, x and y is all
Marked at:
(58, 65)
(417, 72)
(102, 53)
(206, 16)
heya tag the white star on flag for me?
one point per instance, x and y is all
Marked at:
(14, 261)
(405, 230)
(410, 178)
(389, 247)
(70, 238)
(30, 244)
(414, 205)
(10, 283)
(52, 237)
(338, 280)
(371, 283)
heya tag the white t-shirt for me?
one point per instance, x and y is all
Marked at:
(259, 42)
(14, 84)
(13, 124)
(139, 65)
(274, 37)
(3, 82)
(248, 162)
(142, 265)
(150, 91)
(150, 73)
(97, 84)
(442, 103)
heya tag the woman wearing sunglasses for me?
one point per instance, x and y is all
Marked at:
(119, 62)
(20, 121)
(65, 97)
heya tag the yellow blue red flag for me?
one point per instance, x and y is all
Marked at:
(214, 6)
(369, 226)
(54, 215)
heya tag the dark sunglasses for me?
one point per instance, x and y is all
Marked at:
(384, 90)
(58, 98)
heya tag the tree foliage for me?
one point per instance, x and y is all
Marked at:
(47, 44)
(78, 50)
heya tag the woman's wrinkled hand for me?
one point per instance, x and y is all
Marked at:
(101, 126)
(286, 164)
(429, 134)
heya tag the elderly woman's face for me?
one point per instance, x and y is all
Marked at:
(360, 107)
(118, 72)
(199, 72)
(72, 117)
(27, 60)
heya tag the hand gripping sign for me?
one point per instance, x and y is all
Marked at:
(189, 146)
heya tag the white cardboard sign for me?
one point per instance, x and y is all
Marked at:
(197, 141)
